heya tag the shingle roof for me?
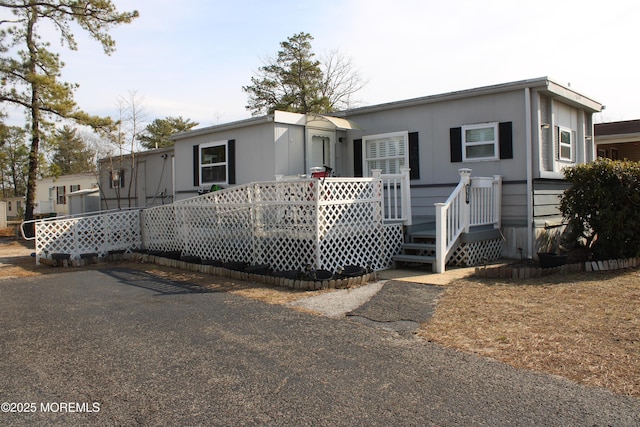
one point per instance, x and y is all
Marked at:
(617, 128)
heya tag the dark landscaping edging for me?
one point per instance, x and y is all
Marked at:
(218, 270)
(527, 272)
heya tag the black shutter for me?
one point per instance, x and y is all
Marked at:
(110, 179)
(414, 156)
(196, 165)
(455, 140)
(505, 140)
(231, 161)
(357, 158)
(122, 178)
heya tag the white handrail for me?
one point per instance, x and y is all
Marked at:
(474, 202)
(452, 218)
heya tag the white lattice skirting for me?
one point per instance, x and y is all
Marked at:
(475, 253)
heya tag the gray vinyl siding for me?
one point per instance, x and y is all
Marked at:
(254, 157)
(432, 122)
(546, 135)
(514, 204)
(546, 201)
(289, 149)
(423, 198)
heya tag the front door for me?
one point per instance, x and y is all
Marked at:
(320, 149)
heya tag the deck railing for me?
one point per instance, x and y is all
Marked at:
(396, 196)
(474, 202)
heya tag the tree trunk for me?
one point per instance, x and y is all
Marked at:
(35, 127)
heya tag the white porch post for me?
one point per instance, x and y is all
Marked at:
(406, 196)
(465, 214)
(441, 238)
(377, 174)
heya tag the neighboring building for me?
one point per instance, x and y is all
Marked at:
(3, 214)
(14, 207)
(618, 140)
(149, 183)
(52, 193)
(525, 131)
(84, 201)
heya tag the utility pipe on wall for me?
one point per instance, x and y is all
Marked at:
(529, 155)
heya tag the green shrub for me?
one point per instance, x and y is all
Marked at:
(603, 207)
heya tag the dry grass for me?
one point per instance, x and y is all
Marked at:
(585, 327)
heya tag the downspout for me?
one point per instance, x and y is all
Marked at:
(173, 179)
(529, 156)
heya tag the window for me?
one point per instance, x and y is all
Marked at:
(73, 188)
(213, 163)
(9, 205)
(116, 179)
(387, 152)
(480, 142)
(61, 194)
(565, 144)
(614, 154)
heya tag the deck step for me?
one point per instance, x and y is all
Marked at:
(426, 234)
(419, 246)
(414, 259)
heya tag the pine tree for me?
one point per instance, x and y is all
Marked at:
(158, 133)
(70, 153)
(30, 72)
(297, 82)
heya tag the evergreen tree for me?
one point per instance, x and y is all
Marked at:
(297, 82)
(14, 161)
(70, 153)
(30, 72)
(158, 133)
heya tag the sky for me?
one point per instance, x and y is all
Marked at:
(190, 58)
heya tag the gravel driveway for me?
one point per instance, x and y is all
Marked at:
(118, 347)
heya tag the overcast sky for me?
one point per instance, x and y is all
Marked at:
(190, 58)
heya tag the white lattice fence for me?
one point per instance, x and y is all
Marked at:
(286, 224)
(91, 234)
(289, 225)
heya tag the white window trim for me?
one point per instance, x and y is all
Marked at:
(366, 159)
(225, 163)
(570, 144)
(465, 144)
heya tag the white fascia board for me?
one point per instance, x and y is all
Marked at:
(572, 97)
(289, 118)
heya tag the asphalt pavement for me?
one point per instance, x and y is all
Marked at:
(120, 347)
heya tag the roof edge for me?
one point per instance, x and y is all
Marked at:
(545, 83)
